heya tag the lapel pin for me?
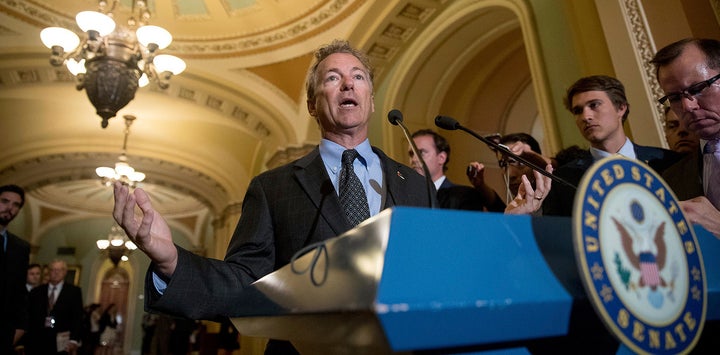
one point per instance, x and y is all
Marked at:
(400, 175)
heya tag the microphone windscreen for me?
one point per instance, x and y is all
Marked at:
(395, 116)
(446, 122)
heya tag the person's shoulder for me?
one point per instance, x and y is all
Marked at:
(12, 238)
(658, 158)
(288, 168)
(581, 163)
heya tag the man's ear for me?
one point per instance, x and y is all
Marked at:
(312, 109)
(623, 108)
(443, 157)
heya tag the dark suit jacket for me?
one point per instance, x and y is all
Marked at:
(13, 294)
(685, 176)
(561, 198)
(461, 197)
(68, 314)
(284, 210)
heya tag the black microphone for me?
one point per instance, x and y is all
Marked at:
(446, 122)
(396, 118)
(452, 124)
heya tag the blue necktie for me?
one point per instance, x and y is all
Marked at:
(352, 195)
(711, 171)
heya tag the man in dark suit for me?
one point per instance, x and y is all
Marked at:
(56, 315)
(689, 74)
(600, 108)
(284, 209)
(14, 258)
(435, 151)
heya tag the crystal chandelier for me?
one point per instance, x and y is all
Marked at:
(117, 245)
(112, 61)
(122, 171)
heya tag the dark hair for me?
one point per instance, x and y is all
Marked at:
(668, 54)
(337, 46)
(441, 144)
(611, 86)
(522, 137)
(34, 265)
(16, 189)
(569, 154)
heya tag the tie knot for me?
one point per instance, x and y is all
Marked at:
(349, 156)
(712, 146)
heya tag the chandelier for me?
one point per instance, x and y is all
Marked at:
(117, 245)
(122, 171)
(111, 61)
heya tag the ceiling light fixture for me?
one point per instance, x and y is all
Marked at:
(112, 61)
(117, 245)
(122, 172)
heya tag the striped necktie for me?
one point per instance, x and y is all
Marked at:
(51, 298)
(711, 171)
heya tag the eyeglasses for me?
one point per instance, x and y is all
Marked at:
(693, 90)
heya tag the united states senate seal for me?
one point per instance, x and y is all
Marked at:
(638, 258)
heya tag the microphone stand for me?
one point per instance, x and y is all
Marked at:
(428, 178)
(445, 123)
(396, 118)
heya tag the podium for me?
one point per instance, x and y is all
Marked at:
(415, 279)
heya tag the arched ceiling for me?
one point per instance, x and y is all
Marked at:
(239, 103)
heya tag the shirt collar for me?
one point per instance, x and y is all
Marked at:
(439, 182)
(627, 150)
(331, 153)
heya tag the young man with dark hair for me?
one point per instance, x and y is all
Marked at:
(600, 107)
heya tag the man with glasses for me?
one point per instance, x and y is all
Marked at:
(688, 72)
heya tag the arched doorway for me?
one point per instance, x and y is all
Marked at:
(114, 290)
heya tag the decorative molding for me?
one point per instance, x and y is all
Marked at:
(10, 77)
(391, 38)
(65, 168)
(643, 45)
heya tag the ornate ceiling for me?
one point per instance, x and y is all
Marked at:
(239, 103)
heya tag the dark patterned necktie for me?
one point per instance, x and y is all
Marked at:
(711, 171)
(51, 298)
(352, 195)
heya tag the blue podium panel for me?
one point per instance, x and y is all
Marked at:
(455, 278)
(710, 248)
(419, 279)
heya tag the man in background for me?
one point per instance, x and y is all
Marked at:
(14, 258)
(34, 274)
(600, 108)
(435, 151)
(522, 144)
(677, 135)
(55, 316)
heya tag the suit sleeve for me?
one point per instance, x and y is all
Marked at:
(204, 288)
(19, 294)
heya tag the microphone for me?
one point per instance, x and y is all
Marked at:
(452, 124)
(396, 118)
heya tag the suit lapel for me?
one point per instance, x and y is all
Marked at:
(313, 179)
(394, 181)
